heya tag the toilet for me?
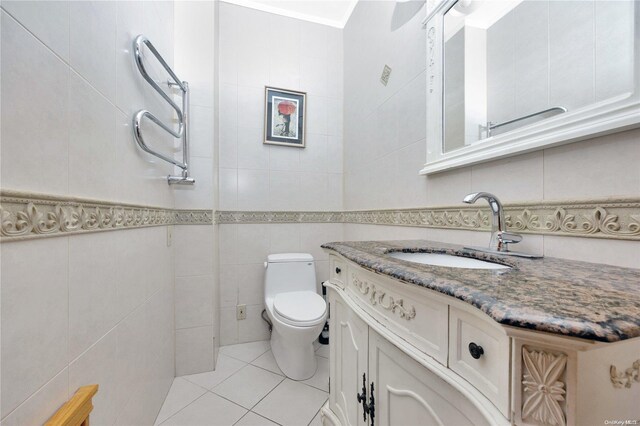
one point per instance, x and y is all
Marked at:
(296, 310)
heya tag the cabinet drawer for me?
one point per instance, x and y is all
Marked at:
(480, 352)
(405, 310)
(338, 271)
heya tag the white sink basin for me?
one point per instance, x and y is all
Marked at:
(439, 259)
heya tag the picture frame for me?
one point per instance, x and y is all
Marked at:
(284, 117)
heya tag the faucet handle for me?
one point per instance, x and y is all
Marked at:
(509, 237)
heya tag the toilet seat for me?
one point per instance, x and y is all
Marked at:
(299, 308)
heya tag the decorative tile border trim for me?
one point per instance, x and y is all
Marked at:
(245, 217)
(193, 217)
(609, 218)
(27, 215)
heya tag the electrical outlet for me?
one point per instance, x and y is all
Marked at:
(241, 312)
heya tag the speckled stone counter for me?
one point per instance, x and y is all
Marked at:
(578, 299)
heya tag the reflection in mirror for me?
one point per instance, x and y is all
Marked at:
(511, 63)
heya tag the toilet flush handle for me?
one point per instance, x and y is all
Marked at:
(266, 265)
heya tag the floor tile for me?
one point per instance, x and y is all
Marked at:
(225, 367)
(252, 419)
(246, 352)
(317, 420)
(320, 380)
(208, 410)
(248, 386)
(302, 402)
(181, 394)
(268, 362)
(323, 351)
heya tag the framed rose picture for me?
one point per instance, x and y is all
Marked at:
(284, 117)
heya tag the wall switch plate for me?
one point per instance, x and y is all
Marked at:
(169, 235)
(241, 312)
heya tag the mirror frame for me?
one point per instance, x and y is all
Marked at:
(609, 116)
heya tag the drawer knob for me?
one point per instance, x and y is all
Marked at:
(338, 270)
(476, 351)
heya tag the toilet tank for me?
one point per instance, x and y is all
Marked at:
(289, 272)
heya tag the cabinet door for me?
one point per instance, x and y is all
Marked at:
(348, 361)
(407, 393)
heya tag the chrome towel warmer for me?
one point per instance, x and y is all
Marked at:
(182, 114)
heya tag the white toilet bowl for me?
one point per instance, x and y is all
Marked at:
(296, 310)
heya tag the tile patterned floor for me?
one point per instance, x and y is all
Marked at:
(247, 389)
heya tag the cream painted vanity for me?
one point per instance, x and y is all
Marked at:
(429, 355)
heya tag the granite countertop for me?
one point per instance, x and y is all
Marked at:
(565, 297)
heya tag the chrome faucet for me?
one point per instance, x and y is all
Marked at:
(500, 238)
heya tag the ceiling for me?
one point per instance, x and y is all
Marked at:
(327, 12)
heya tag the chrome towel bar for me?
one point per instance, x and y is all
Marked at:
(182, 113)
(490, 126)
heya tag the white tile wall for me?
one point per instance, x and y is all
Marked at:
(196, 246)
(528, 168)
(92, 141)
(92, 44)
(70, 102)
(195, 289)
(546, 53)
(131, 370)
(571, 53)
(242, 269)
(38, 408)
(67, 317)
(265, 177)
(193, 245)
(97, 366)
(601, 167)
(28, 322)
(94, 308)
(35, 108)
(378, 174)
(93, 289)
(285, 70)
(254, 176)
(201, 195)
(614, 46)
(532, 63)
(501, 69)
(613, 252)
(253, 189)
(194, 350)
(48, 21)
(130, 89)
(194, 301)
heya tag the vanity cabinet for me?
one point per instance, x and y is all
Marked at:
(349, 354)
(436, 360)
(404, 392)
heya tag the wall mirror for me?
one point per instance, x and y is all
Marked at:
(511, 76)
